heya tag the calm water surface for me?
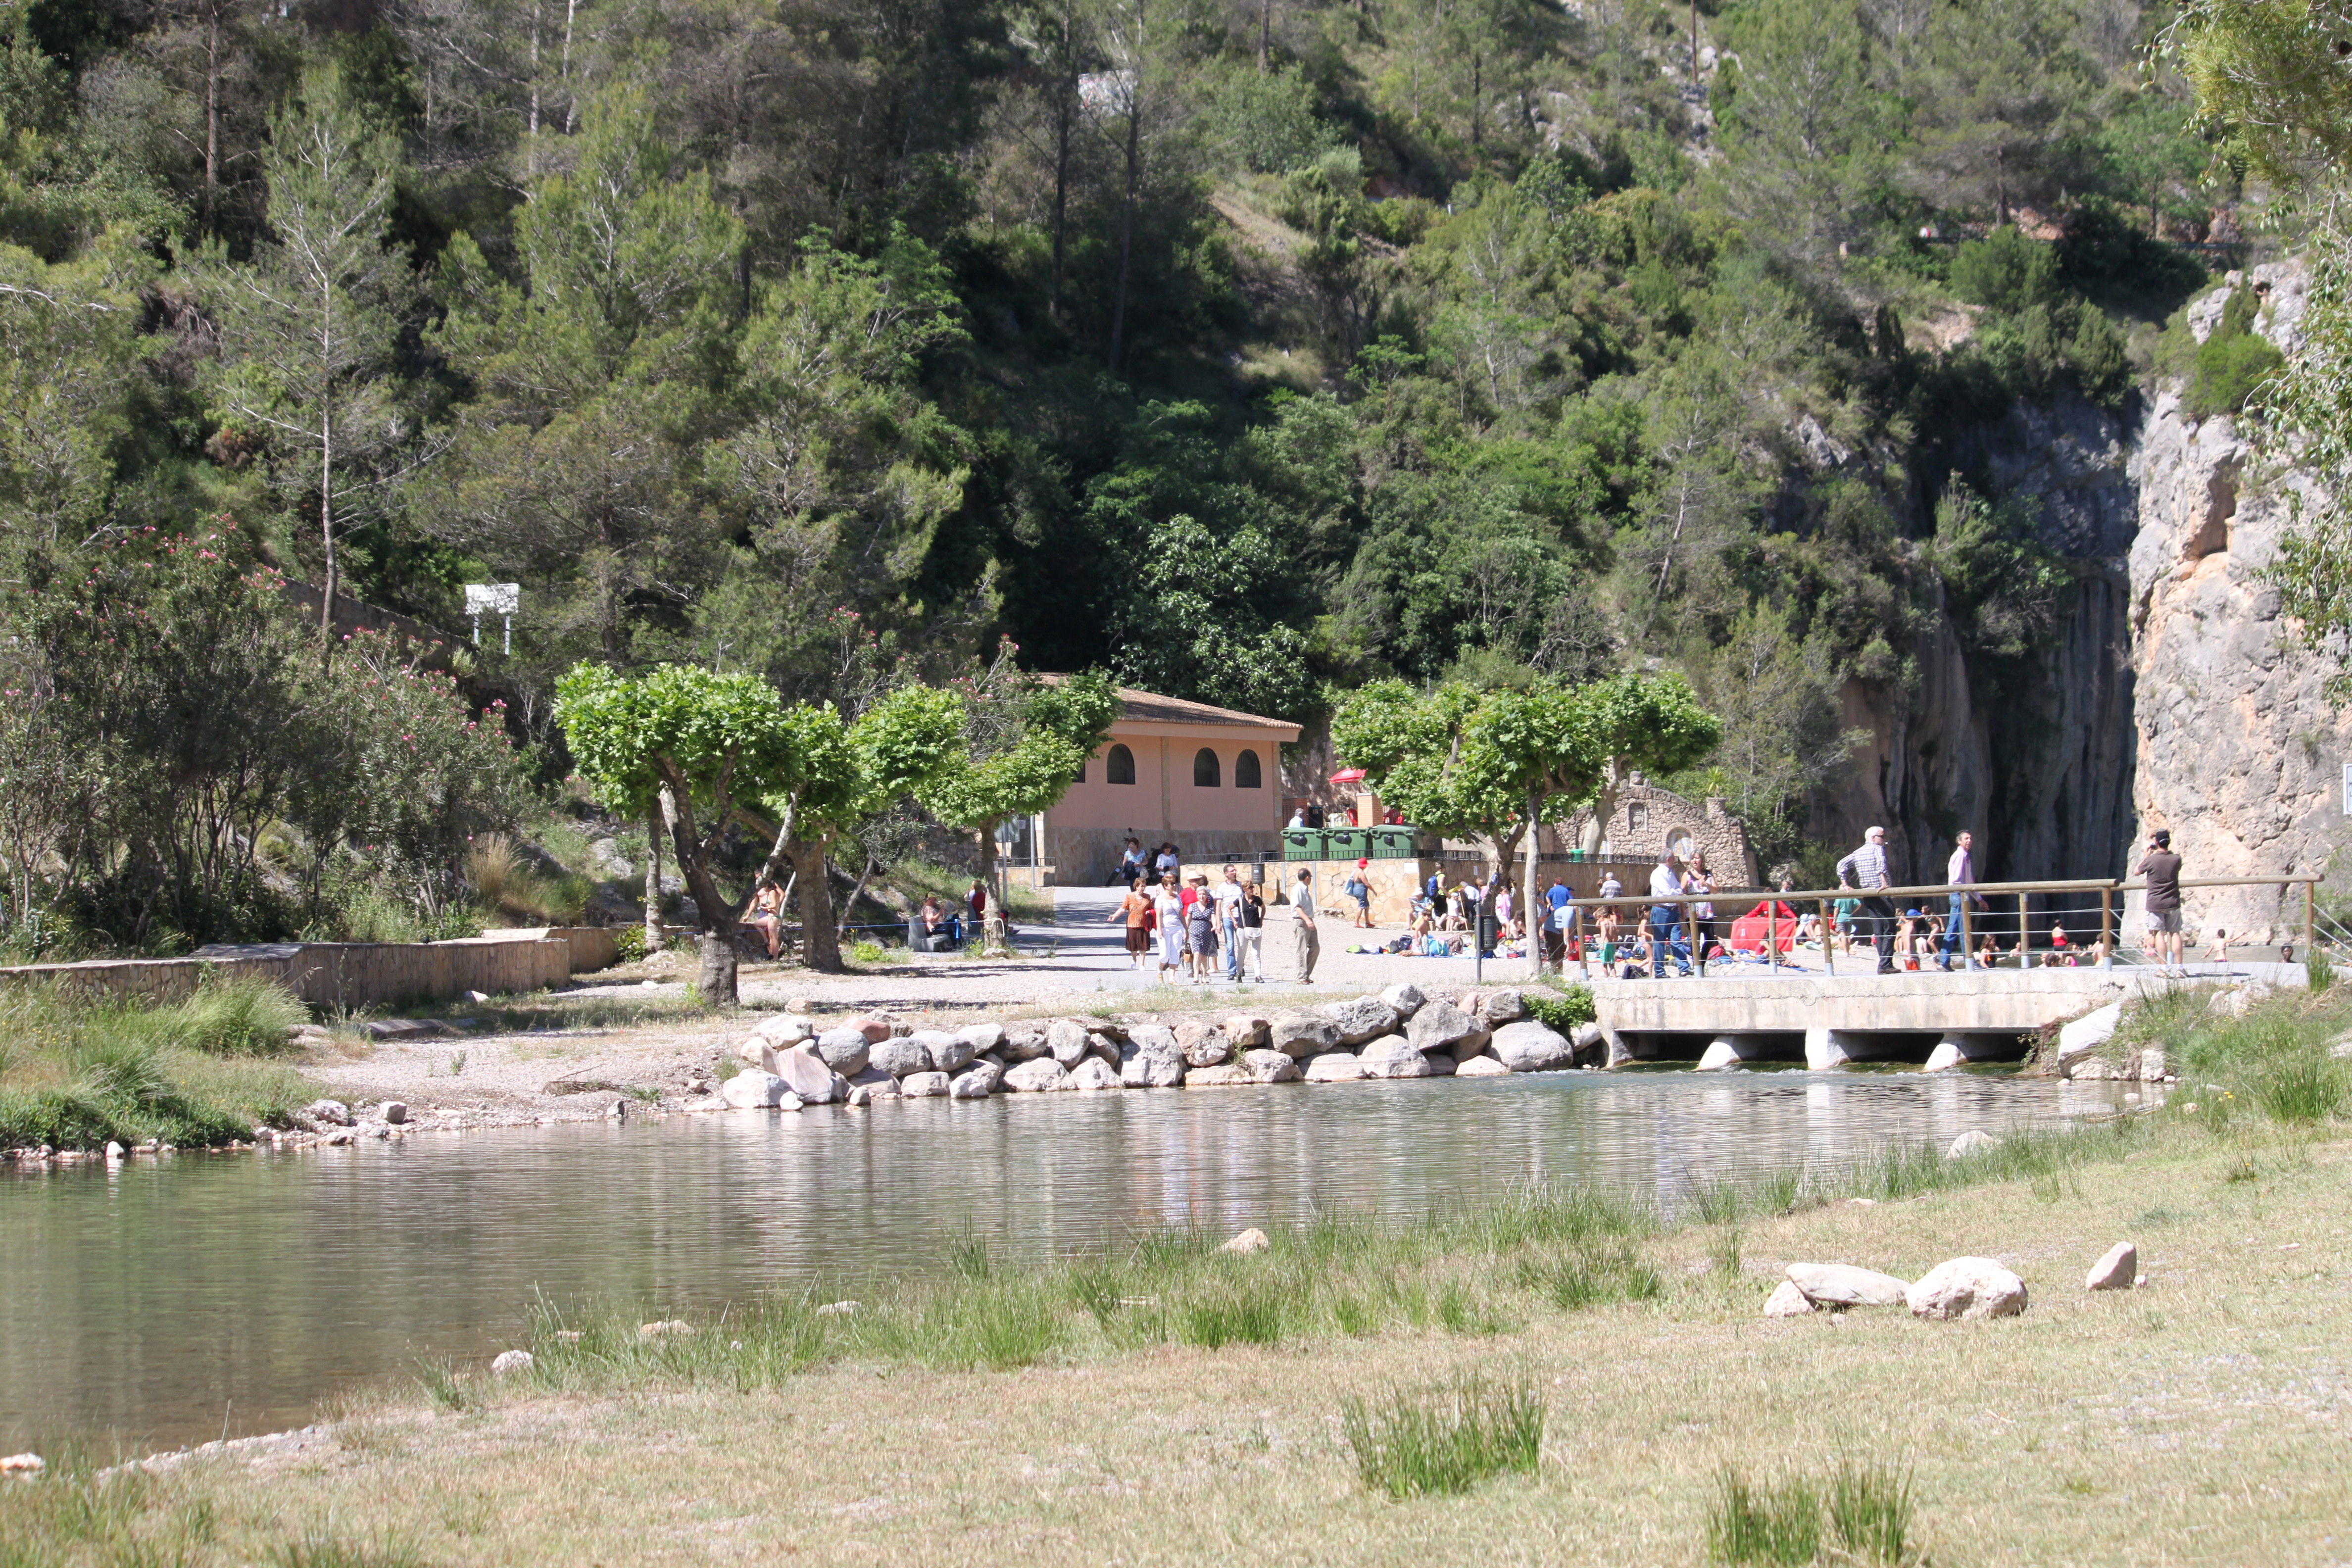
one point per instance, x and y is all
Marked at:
(162, 1301)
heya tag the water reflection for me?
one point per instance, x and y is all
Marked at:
(162, 1303)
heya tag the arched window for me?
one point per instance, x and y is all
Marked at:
(1081, 777)
(1205, 775)
(1245, 775)
(1119, 766)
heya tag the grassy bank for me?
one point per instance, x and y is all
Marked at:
(1529, 1378)
(77, 1073)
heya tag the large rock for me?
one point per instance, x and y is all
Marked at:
(1334, 1066)
(1247, 1031)
(899, 1059)
(877, 1085)
(1841, 1285)
(1270, 1067)
(1150, 1058)
(1392, 1055)
(946, 1052)
(1441, 1065)
(923, 1085)
(1530, 1047)
(1443, 1026)
(1093, 1073)
(981, 1037)
(2116, 1270)
(1592, 1041)
(978, 1081)
(1497, 1008)
(785, 1028)
(1034, 1075)
(806, 1073)
(1300, 1035)
(874, 1029)
(1787, 1301)
(2154, 1066)
(845, 1051)
(1404, 998)
(1365, 1018)
(1224, 1075)
(1480, 1066)
(1202, 1045)
(2090, 1031)
(324, 1113)
(1967, 1288)
(507, 1364)
(1026, 1045)
(1103, 1046)
(1068, 1041)
(752, 1089)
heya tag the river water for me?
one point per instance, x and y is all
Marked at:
(165, 1302)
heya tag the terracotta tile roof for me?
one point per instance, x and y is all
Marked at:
(1151, 708)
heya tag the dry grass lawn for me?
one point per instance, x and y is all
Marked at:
(2199, 1419)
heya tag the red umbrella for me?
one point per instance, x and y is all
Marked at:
(1349, 775)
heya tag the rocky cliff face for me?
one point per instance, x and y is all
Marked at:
(2236, 751)
(2170, 696)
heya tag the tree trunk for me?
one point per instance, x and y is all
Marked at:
(1604, 806)
(849, 910)
(715, 980)
(820, 939)
(1126, 215)
(652, 878)
(1264, 31)
(1527, 890)
(327, 514)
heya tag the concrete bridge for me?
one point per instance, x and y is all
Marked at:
(1929, 1017)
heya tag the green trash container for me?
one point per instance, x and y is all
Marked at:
(1348, 844)
(1393, 843)
(1302, 843)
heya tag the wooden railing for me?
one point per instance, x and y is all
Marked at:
(1933, 901)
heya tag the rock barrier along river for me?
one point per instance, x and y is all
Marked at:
(788, 1062)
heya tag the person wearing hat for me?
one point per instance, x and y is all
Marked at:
(2161, 867)
(1360, 888)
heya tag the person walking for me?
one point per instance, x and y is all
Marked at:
(1310, 944)
(1201, 933)
(1249, 923)
(1228, 895)
(1864, 870)
(1555, 913)
(1136, 911)
(1959, 871)
(1168, 920)
(2161, 867)
(1666, 920)
(1360, 888)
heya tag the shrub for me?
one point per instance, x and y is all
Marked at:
(2005, 270)
(1870, 1509)
(1763, 1524)
(2233, 362)
(247, 1015)
(1563, 1013)
(628, 943)
(1447, 1438)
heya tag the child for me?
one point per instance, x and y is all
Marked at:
(2218, 950)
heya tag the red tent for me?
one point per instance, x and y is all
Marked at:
(1752, 931)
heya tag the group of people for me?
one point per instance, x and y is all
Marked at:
(1190, 924)
(1156, 864)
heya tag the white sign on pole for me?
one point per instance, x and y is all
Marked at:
(502, 599)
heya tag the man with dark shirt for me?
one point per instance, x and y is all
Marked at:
(2161, 867)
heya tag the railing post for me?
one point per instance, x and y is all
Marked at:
(2106, 926)
(1583, 953)
(1968, 952)
(1772, 932)
(1829, 941)
(2024, 934)
(1690, 936)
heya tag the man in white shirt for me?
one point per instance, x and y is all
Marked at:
(1311, 946)
(1228, 894)
(1864, 870)
(1666, 920)
(1960, 871)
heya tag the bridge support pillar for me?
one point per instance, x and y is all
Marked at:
(1620, 1052)
(1827, 1048)
(1955, 1048)
(1729, 1051)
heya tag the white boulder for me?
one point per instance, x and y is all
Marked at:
(1150, 1058)
(1302, 1035)
(1202, 1045)
(1967, 1287)
(900, 1057)
(1480, 1066)
(1269, 1067)
(1530, 1047)
(844, 1051)
(1443, 1026)
(1034, 1075)
(981, 1037)
(1392, 1055)
(1248, 1241)
(752, 1089)
(1787, 1301)
(1364, 1018)
(1404, 997)
(1094, 1073)
(785, 1028)
(923, 1085)
(2116, 1270)
(1067, 1040)
(510, 1361)
(1334, 1066)
(807, 1074)
(2089, 1031)
(1970, 1142)
(945, 1052)
(1841, 1285)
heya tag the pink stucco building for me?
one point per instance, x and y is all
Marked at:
(1207, 779)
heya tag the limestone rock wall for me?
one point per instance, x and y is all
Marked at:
(2171, 694)
(2237, 752)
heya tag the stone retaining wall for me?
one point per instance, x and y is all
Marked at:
(349, 974)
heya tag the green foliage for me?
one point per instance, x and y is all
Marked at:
(2233, 365)
(2004, 588)
(1750, 1523)
(1562, 1012)
(628, 943)
(1871, 1508)
(1445, 1438)
(2005, 271)
(1265, 122)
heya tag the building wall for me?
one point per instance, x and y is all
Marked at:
(1647, 817)
(1086, 832)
